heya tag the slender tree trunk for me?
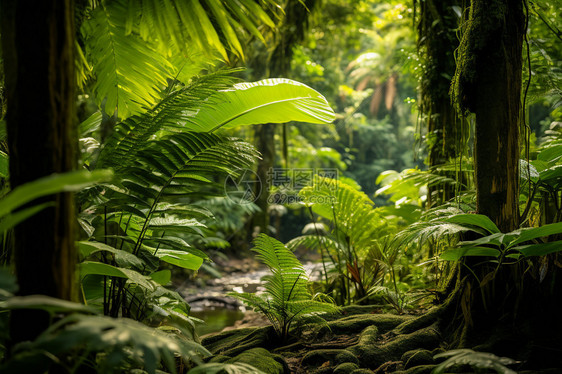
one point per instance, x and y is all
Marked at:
(38, 51)
(291, 31)
(437, 43)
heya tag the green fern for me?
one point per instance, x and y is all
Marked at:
(352, 246)
(131, 135)
(129, 71)
(479, 360)
(286, 298)
(120, 344)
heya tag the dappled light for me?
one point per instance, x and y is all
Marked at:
(280, 186)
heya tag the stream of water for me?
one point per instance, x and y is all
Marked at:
(210, 304)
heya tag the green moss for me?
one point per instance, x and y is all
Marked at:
(369, 335)
(334, 356)
(417, 357)
(357, 323)
(362, 371)
(234, 342)
(345, 368)
(422, 369)
(372, 355)
(263, 360)
(480, 40)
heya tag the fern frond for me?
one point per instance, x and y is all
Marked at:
(131, 135)
(286, 297)
(351, 212)
(167, 170)
(207, 24)
(129, 72)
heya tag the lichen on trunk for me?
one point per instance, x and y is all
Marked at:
(487, 82)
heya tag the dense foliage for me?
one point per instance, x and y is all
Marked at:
(369, 172)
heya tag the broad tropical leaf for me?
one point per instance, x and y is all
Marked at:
(99, 268)
(72, 181)
(266, 101)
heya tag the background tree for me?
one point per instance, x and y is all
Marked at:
(291, 31)
(488, 83)
(437, 41)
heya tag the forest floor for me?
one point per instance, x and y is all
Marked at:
(362, 339)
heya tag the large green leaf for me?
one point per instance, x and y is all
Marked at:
(13, 219)
(99, 268)
(478, 220)
(123, 258)
(531, 233)
(55, 183)
(456, 254)
(541, 249)
(90, 124)
(274, 100)
(46, 303)
(181, 259)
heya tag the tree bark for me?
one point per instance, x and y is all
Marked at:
(488, 83)
(38, 51)
(437, 43)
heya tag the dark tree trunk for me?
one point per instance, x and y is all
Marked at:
(488, 83)
(265, 143)
(38, 51)
(509, 302)
(437, 43)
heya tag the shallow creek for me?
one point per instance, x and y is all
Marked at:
(210, 304)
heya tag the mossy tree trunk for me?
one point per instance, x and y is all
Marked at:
(488, 84)
(437, 42)
(38, 51)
